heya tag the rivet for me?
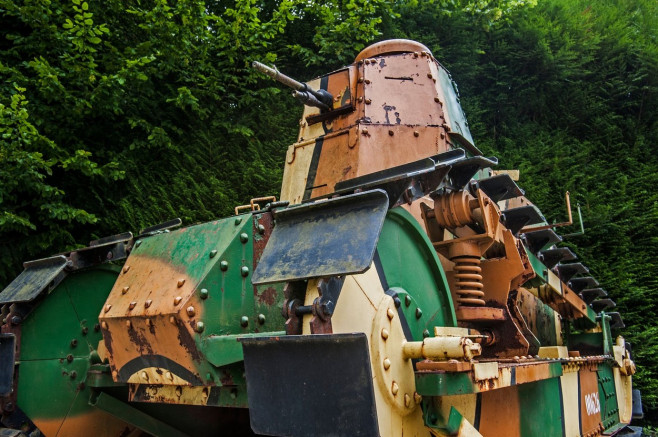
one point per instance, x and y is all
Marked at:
(360, 79)
(429, 75)
(180, 283)
(213, 253)
(244, 270)
(390, 313)
(125, 269)
(104, 325)
(84, 330)
(261, 229)
(387, 364)
(419, 313)
(416, 133)
(244, 321)
(223, 265)
(407, 300)
(426, 333)
(437, 100)
(396, 301)
(74, 342)
(172, 320)
(190, 311)
(368, 101)
(69, 358)
(415, 54)
(199, 327)
(129, 324)
(149, 323)
(244, 237)
(74, 374)
(238, 220)
(177, 300)
(261, 319)
(144, 376)
(384, 334)
(169, 376)
(132, 305)
(148, 303)
(364, 131)
(407, 400)
(179, 391)
(391, 133)
(367, 81)
(108, 307)
(360, 99)
(442, 135)
(203, 293)
(97, 327)
(125, 289)
(395, 388)
(417, 398)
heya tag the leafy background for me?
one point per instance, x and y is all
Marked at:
(117, 115)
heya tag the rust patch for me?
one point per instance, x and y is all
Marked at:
(268, 296)
(226, 378)
(139, 340)
(187, 342)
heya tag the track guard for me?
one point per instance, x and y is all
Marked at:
(322, 239)
(317, 385)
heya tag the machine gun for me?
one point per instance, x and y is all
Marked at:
(301, 91)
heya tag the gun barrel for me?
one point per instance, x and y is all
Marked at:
(279, 77)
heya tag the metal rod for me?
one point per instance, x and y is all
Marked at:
(567, 199)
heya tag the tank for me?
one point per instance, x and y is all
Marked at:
(399, 285)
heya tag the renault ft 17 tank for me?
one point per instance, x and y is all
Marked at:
(398, 286)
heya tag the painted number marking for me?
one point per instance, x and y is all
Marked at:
(592, 403)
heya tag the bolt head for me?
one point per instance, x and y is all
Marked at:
(125, 289)
(244, 321)
(16, 320)
(419, 313)
(74, 342)
(69, 357)
(132, 305)
(416, 133)
(148, 303)
(199, 327)
(203, 293)
(177, 300)
(104, 325)
(238, 220)
(108, 307)
(180, 283)
(407, 300)
(244, 237)
(387, 364)
(390, 313)
(73, 374)
(244, 271)
(384, 334)
(223, 265)
(190, 311)
(395, 388)
(213, 253)
(417, 398)
(261, 229)
(407, 400)
(125, 269)
(261, 319)
(426, 333)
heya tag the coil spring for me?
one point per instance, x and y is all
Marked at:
(468, 278)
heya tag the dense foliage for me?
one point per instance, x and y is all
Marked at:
(117, 115)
